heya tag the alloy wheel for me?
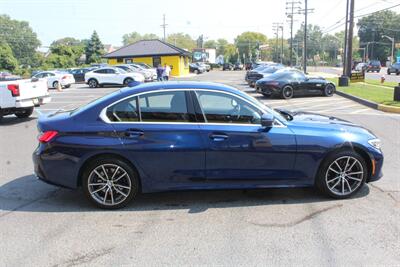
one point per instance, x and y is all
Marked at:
(344, 175)
(329, 90)
(109, 184)
(287, 92)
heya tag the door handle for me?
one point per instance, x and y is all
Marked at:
(133, 133)
(218, 137)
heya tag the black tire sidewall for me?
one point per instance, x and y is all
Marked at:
(326, 93)
(27, 112)
(283, 92)
(127, 81)
(55, 84)
(320, 181)
(133, 176)
(95, 83)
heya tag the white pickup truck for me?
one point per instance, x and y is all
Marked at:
(19, 97)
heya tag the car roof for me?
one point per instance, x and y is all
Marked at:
(148, 87)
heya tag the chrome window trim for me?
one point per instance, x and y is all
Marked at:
(104, 118)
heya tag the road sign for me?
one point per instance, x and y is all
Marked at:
(357, 77)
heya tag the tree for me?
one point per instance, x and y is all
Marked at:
(247, 44)
(181, 40)
(314, 40)
(20, 38)
(231, 54)
(7, 59)
(373, 27)
(66, 52)
(210, 44)
(221, 46)
(94, 49)
(133, 37)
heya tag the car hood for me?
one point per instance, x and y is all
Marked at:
(319, 121)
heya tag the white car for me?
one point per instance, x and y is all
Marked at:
(148, 76)
(54, 78)
(19, 97)
(150, 72)
(111, 76)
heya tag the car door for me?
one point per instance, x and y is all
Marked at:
(238, 148)
(161, 137)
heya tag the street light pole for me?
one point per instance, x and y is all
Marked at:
(391, 39)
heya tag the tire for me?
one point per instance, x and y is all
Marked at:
(24, 113)
(196, 72)
(100, 186)
(67, 86)
(93, 83)
(388, 72)
(334, 181)
(329, 90)
(287, 92)
(55, 84)
(397, 73)
(127, 81)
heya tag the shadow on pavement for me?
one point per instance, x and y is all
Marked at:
(12, 120)
(27, 194)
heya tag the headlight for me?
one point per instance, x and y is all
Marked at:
(376, 143)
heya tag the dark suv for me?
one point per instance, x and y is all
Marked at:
(374, 65)
(395, 68)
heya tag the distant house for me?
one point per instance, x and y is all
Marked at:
(152, 52)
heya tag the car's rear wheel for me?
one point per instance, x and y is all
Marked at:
(127, 81)
(93, 83)
(67, 86)
(196, 72)
(329, 90)
(341, 175)
(24, 113)
(110, 183)
(388, 72)
(287, 92)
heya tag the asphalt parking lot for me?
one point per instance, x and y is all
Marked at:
(42, 225)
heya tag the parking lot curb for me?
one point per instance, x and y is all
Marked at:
(381, 107)
(359, 100)
(387, 108)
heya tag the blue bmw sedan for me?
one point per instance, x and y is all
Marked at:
(193, 136)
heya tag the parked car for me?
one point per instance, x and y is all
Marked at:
(253, 71)
(20, 96)
(54, 78)
(238, 66)
(149, 74)
(395, 68)
(290, 83)
(79, 74)
(361, 67)
(194, 68)
(111, 76)
(7, 76)
(205, 66)
(228, 66)
(195, 136)
(374, 65)
(264, 72)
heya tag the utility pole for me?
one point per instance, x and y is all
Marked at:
(305, 11)
(345, 39)
(392, 40)
(350, 40)
(164, 26)
(281, 45)
(290, 8)
(276, 26)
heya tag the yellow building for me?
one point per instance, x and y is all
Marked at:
(153, 53)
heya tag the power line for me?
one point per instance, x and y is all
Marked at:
(290, 11)
(164, 26)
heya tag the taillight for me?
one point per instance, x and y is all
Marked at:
(64, 77)
(47, 136)
(14, 88)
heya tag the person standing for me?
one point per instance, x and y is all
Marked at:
(166, 73)
(160, 72)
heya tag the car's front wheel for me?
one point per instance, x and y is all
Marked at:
(127, 81)
(287, 92)
(342, 175)
(110, 183)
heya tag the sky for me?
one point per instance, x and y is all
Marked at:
(54, 19)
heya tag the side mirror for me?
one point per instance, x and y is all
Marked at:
(267, 120)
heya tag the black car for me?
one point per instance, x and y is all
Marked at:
(228, 66)
(238, 66)
(194, 68)
(79, 74)
(395, 68)
(290, 83)
(374, 65)
(254, 76)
